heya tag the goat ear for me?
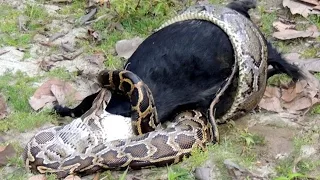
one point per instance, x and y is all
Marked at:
(280, 65)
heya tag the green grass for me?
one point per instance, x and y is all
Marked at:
(267, 20)
(315, 19)
(17, 89)
(304, 166)
(136, 20)
(310, 52)
(315, 109)
(283, 46)
(10, 34)
(22, 121)
(179, 173)
(61, 73)
(279, 79)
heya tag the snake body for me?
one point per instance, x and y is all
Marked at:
(83, 145)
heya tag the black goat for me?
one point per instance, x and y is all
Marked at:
(184, 65)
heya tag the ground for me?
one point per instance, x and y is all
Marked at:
(52, 40)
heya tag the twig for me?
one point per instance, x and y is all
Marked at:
(3, 52)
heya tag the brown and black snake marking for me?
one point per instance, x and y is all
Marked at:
(143, 110)
(80, 148)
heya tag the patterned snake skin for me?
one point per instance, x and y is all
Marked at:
(84, 146)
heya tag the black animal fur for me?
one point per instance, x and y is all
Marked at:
(184, 65)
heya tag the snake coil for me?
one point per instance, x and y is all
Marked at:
(83, 146)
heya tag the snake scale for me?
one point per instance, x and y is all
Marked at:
(84, 146)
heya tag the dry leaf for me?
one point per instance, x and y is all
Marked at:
(51, 91)
(271, 104)
(3, 108)
(292, 34)
(125, 48)
(38, 103)
(72, 177)
(5, 153)
(38, 177)
(281, 26)
(293, 91)
(300, 86)
(272, 92)
(289, 94)
(95, 35)
(299, 8)
(64, 93)
(295, 99)
(301, 104)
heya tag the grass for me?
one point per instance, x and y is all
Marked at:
(61, 73)
(279, 79)
(18, 88)
(303, 167)
(10, 34)
(310, 52)
(266, 21)
(314, 19)
(178, 173)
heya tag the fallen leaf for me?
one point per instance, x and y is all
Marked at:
(299, 8)
(292, 34)
(271, 104)
(3, 108)
(272, 92)
(64, 93)
(125, 48)
(94, 35)
(6, 152)
(301, 104)
(282, 26)
(38, 103)
(38, 177)
(289, 95)
(293, 91)
(72, 177)
(295, 98)
(300, 86)
(51, 91)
